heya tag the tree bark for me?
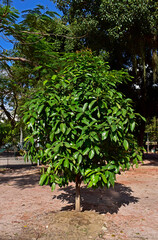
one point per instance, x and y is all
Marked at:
(7, 113)
(78, 196)
(14, 59)
(141, 134)
(155, 60)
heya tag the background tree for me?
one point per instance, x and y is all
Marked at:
(80, 125)
(36, 40)
(128, 31)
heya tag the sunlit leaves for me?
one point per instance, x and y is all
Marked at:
(83, 129)
(126, 144)
(91, 154)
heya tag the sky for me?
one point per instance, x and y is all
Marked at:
(30, 4)
(25, 5)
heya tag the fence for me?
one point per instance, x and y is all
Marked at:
(7, 160)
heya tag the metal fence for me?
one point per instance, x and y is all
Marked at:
(7, 160)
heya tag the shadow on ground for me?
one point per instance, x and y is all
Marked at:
(152, 158)
(100, 200)
(20, 176)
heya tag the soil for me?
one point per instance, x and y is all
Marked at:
(127, 211)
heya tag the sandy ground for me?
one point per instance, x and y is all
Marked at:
(129, 211)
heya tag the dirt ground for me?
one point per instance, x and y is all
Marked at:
(128, 211)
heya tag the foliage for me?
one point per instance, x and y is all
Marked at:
(5, 128)
(152, 130)
(34, 56)
(81, 126)
(128, 31)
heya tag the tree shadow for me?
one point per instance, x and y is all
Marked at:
(152, 158)
(100, 200)
(20, 176)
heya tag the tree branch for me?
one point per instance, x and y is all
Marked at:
(15, 59)
(7, 113)
(53, 34)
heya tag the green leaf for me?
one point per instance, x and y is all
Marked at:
(79, 158)
(37, 68)
(78, 116)
(53, 186)
(43, 179)
(84, 107)
(54, 77)
(91, 104)
(124, 111)
(76, 155)
(110, 167)
(117, 170)
(104, 178)
(113, 128)
(31, 140)
(25, 118)
(94, 179)
(95, 136)
(125, 144)
(68, 131)
(57, 131)
(44, 83)
(97, 150)
(86, 151)
(79, 144)
(112, 178)
(67, 145)
(66, 163)
(132, 126)
(40, 109)
(32, 121)
(104, 135)
(115, 138)
(63, 127)
(98, 114)
(56, 148)
(87, 171)
(143, 118)
(49, 170)
(107, 174)
(51, 136)
(84, 120)
(90, 184)
(91, 154)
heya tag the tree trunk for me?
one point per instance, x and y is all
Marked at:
(135, 65)
(141, 134)
(21, 137)
(155, 60)
(7, 113)
(78, 197)
(144, 77)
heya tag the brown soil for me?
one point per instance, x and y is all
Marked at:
(128, 211)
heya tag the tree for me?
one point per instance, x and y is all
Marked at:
(80, 125)
(5, 128)
(36, 43)
(128, 31)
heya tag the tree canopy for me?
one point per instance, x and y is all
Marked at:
(128, 31)
(81, 127)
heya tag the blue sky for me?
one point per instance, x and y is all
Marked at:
(30, 4)
(25, 5)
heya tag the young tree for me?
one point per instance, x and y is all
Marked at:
(80, 125)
